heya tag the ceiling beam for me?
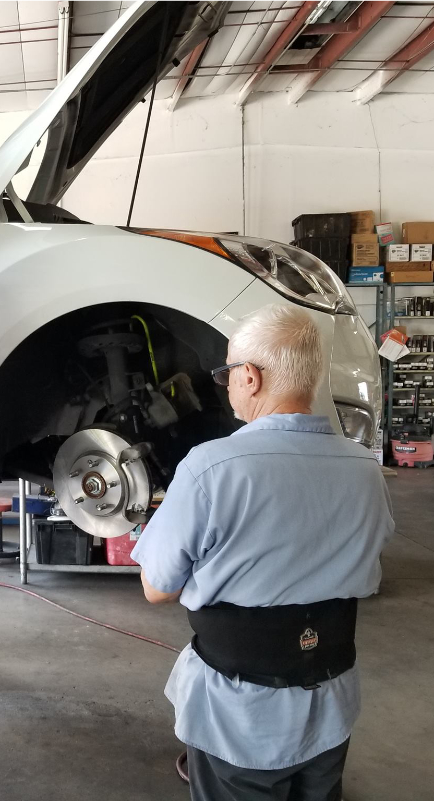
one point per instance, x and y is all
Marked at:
(326, 28)
(400, 62)
(289, 33)
(189, 68)
(364, 18)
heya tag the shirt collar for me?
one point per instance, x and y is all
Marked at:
(290, 422)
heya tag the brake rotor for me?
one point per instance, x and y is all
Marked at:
(101, 483)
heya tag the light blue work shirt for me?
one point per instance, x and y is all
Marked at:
(281, 512)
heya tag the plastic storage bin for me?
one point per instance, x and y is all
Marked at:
(325, 248)
(340, 268)
(118, 549)
(333, 251)
(35, 504)
(335, 225)
(61, 543)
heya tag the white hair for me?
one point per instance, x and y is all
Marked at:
(285, 342)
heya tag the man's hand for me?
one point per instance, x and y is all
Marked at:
(155, 596)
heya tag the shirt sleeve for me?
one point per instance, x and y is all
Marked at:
(177, 535)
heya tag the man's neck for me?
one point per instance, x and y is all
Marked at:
(287, 406)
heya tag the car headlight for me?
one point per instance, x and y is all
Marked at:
(292, 272)
(357, 424)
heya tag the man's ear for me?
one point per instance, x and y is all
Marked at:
(254, 378)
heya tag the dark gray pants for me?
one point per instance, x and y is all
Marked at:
(319, 779)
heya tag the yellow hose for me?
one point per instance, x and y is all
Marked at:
(150, 348)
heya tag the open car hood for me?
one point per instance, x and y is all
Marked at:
(101, 90)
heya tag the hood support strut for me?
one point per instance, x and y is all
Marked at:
(161, 46)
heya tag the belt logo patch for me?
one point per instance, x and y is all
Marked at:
(308, 640)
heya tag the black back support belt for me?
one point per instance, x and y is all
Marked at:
(298, 645)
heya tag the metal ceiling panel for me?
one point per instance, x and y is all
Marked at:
(297, 56)
(228, 55)
(409, 9)
(412, 83)
(40, 60)
(386, 37)
(251, 42)
(94, 17)
(31, 11)
(250, 29)
(216, 54)
(278, 83)
(9, 14)
(9, 37)
(11, 64)
(14, 99)
(344, 79)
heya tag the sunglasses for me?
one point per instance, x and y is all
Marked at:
(221, 374)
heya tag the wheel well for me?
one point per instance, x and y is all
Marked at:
(45, 380)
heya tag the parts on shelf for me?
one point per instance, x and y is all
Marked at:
(426, 363)
(415, 307)
(421, 343)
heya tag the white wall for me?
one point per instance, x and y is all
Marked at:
(326, 154)
(191, 175)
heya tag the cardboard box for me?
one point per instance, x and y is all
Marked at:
(398, 253)
(362, 239)
(365, 255)
(421, 252)
(418, 233)
(385, 234)
(362, 222)
(408, 266)
(413, 277)
(366, 275)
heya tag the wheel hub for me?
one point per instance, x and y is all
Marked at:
(94, 485)
(99, 490)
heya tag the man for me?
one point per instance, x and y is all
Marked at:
(268, 537)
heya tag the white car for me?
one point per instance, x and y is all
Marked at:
(108, 334)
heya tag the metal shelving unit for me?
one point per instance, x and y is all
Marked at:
(380, 305)
(28, 551)
(32, 564)
(392, 368)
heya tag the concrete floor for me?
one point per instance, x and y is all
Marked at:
(83, 716)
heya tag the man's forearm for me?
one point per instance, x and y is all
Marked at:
(156, 596)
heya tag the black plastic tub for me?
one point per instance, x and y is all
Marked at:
(308, 225)
(325, 248)
(61, 543)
